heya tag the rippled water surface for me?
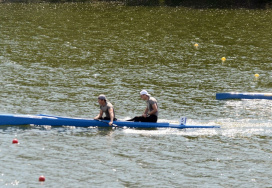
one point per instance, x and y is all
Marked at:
(57, 58)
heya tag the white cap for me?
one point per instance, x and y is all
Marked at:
(144, 92)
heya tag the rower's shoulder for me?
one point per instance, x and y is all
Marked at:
(152, 99)
(109, 104)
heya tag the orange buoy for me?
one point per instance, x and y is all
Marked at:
(15, 141)
(41, 178)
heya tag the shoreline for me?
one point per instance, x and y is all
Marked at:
(196, 4)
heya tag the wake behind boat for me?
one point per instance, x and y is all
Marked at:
(41, 119)
(233, 95)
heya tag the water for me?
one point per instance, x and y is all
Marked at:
(57, 58)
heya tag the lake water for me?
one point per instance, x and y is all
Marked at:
(57, 58)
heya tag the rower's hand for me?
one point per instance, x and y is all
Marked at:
(110, 123)
(144, 115)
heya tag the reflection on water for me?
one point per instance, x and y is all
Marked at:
(258, 110)
(57, 58)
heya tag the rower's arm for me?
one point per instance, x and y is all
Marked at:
(99, 115)
(111, 116)
(155, 109)
(145, 112)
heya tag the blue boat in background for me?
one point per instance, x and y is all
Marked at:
(233, 95)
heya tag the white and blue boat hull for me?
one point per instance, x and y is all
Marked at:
(10, 119)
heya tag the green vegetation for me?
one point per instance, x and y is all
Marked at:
(221, 3)
(186, 3)
(205, 3)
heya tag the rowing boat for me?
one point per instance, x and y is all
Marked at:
(41, 119)
(223, 96)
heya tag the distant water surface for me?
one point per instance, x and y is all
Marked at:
(57, 58)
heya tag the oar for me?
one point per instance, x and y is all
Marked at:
(113, 125)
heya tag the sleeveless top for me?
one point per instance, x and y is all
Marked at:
(106, 108)
(149, 104)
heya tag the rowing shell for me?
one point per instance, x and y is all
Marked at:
(223, 96)
(9, 119)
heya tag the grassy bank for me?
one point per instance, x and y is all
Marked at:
(185, 3)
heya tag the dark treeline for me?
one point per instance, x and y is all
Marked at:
(186, 3)
(221, 3)
(206, 3)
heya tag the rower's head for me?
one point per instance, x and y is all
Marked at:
(102, 99)
(144, 95)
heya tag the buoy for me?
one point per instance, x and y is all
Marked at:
(196, 45)
(41, 178)
(223, 59)
(15, 141)
(256, 77)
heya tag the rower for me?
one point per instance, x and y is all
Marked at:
(151, 111)
(107, 108)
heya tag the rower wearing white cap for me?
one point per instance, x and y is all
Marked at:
(151, 111)
(106, 107)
